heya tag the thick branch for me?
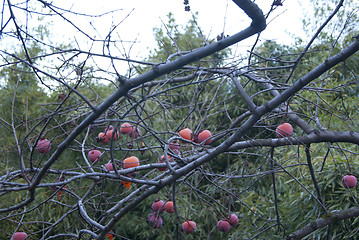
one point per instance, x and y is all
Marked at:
(332, 217)
(315, 137)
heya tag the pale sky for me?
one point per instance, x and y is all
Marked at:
(139, 17)
(135, 20)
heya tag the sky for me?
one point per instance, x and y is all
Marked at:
(137, 18)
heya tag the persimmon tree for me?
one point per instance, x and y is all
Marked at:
(91, 153)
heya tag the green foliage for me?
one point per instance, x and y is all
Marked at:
(174, 40)
(342, 24)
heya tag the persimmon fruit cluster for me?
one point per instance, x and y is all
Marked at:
(225, 225)
(204, 136)
(159, 207)
(108, 134)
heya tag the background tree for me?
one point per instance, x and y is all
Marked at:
(287, 187)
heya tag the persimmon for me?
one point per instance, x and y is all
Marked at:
(108, 128)
(135, 133)
(186, 133)
(102, 138)
(109, 167)
(19, 236)
(189, 226)
(174, 146)
(43, 146)
(126, 128)
(349, 181)
(94, 155)
(131, 162)
(158, 206)
(111, 133)
(162, 160)
(169, 207)
(233, 220)
(155, 220)
(284, 130)
(176, 151)
(202, 136)
(223, 226)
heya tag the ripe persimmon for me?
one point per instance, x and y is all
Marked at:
(186, 133)
(19, 236)
(202, 136)
(158, 206)
(155, 220)
(349, 181)
(135, 133)
(126, 128)
(94, 155)
(174, 146)
(110, 235)
(169, 207)
(284, 130)
(233, 219)
(189, 226)
(109, 167)
(162, 160)
(108, 128)
(43, 146)
(131, 162)
(102, 138)
(111, 133)
(223, 226)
